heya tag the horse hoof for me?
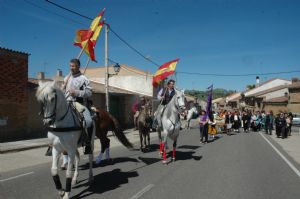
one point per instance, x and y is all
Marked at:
(173, 159)
(164, 161)
(61, 193)
(66, 195)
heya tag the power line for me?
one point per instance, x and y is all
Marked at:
(178, 72)
(49, 11)
(72, 11)
(238, 75)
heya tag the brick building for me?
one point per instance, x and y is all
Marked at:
(13, 98)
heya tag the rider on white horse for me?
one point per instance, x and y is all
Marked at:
(77, 89)
(165, 95)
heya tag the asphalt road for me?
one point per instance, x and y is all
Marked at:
(241, 166)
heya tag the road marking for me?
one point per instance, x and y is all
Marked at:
(18, 176)
(144, 190)
(282, 156)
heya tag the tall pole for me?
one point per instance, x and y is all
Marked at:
(106, 69)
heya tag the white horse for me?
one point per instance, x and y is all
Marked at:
(64, 133)
(191, 114)
(171, 123)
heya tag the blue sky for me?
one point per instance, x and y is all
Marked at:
(209, 36)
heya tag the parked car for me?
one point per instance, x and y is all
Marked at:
(296, 118)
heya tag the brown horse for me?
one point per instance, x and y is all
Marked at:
(144, 124)
(106, 122)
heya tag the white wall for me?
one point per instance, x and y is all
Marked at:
(269, 85)
(275, 94)
(137, 84)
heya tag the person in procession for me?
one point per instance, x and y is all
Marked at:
(137, 106)
(165, 95)
(77, 89)
(269, 122)
(203, 122)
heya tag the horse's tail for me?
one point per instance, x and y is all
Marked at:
(117, 130)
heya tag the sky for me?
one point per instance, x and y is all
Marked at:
(209, 36)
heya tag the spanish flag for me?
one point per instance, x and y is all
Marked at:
(87, 38)
(164, 71)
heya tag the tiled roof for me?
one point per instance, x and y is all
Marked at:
(14, 51)
(269, 90)
(294, 85)
(260, 85)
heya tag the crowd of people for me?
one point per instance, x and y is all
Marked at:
(233, 121)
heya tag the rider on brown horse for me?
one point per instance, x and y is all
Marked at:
(137, 106)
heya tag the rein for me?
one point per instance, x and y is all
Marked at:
(53, 116)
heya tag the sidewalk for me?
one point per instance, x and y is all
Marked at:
(291, 145)
(22, 145)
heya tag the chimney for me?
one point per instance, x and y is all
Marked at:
(257, 81)
(295, 79)
(59, 73)
(40, 75)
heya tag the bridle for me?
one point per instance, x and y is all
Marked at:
(52, 116)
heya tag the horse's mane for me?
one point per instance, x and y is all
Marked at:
(44, 87)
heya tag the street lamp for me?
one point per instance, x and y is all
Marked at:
(117, 69)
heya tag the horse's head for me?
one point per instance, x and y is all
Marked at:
(180, 100)
(47, 95)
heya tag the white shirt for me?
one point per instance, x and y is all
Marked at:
(80, 84)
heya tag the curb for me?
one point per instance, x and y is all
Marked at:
(24, 147)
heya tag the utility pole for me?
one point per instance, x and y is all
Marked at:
(106, 68)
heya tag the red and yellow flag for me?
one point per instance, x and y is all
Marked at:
(87, 38)
(164, 71)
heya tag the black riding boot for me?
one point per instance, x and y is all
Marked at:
(49, 151)
(88, 147)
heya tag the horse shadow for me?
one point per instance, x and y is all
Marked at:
(149, 161)
(104, 182)
(192, 147)
(186, 155)
(109, 162)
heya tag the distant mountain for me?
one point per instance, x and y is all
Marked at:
(217, 92)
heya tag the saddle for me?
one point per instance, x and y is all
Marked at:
(78, 110)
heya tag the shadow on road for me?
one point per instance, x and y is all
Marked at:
(186, 155)
(192, 147)
(104, 182)
(109, 162)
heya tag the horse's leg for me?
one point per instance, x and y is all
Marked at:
(103, 147)
(65, 161)
(174, 150)
(75, 176)
(164, 147)
(91, 156)
(69, 175)
(148, 136)
(145, 139)
(141, 139)
(54, 171)
(107, 150)
(160, 142)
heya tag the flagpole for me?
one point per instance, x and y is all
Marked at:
(106, 68)
(86, 65)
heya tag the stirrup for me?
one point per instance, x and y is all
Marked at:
(87, 149)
